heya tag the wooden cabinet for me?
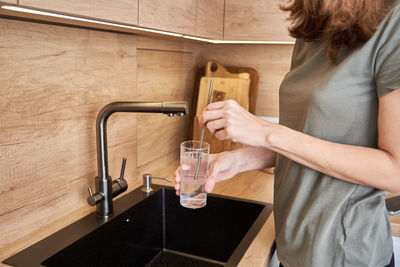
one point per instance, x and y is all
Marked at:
(10, 1)
(125, 11)
(214, 19)
(255, 20)
(210, 18)
(193, 17)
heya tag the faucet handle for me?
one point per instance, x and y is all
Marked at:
(93, 199)
(121, 176)
(147, 182)
(120, 185)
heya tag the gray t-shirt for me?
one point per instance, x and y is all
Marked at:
(321, 220)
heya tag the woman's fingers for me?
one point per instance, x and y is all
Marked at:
(209, 115)
(209, 186)
(227, 120)
(178, 181)
(215, 125)
(224, 135)
(217, 105)
(178, 175)
(217, 110)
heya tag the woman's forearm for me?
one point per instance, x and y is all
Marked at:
(379, 168)
(254, 158)
(361, 165)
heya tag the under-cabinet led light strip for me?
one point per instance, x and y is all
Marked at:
(234, 41)
(143, 29)
(62, 16)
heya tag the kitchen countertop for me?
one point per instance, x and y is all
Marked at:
(254, 185)
(395, 222)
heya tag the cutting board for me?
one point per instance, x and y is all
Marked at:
(215, 69)
(223, 89)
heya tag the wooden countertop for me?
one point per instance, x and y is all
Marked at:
(395, 222)
(254, 185)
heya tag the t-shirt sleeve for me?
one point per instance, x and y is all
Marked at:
(387, 63)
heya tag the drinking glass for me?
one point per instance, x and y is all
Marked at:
(193, 156)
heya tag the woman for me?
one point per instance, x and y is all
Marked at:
(337, 147)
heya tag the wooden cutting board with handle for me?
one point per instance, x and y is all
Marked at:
(215, 69)
(223, 89)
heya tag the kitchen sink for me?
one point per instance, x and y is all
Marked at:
(154, 230)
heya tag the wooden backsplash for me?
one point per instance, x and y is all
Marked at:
(53, 82)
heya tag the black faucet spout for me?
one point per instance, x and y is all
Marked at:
(106, 189)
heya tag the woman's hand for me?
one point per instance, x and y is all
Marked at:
(228, 120)
(221, 166)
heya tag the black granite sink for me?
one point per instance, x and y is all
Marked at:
(154, 231)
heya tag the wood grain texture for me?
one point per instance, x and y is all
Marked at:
(394, 219)
(395, 222)
(158, 134)
(272, 62)
(10, 1)
(162, 167)
(170, 15)
(118, 10)
(209, 18)
(256, 185)
(149, 43)
(255, 20)
(215, 69)
(202, 18)
(223, 89)
(53, 82)
(262, 248)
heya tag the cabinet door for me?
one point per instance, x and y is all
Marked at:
(193, 17)
(255, 20)
(210, 19)
(10, 1)
(117, 10)
(168, 15)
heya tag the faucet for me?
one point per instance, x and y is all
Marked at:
(106, 189)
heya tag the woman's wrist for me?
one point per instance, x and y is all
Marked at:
(252, 158)
(271, 132)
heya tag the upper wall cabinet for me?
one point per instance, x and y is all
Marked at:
(194, 17)
(255, 20)
(118, 10)
(10, 1)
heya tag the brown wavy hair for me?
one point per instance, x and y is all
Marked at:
(343, 22)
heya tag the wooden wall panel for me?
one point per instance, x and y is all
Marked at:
(255, 20)
(53, 82)
(162, 76)
(149, 43)
(272, 62)
(117, 10)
